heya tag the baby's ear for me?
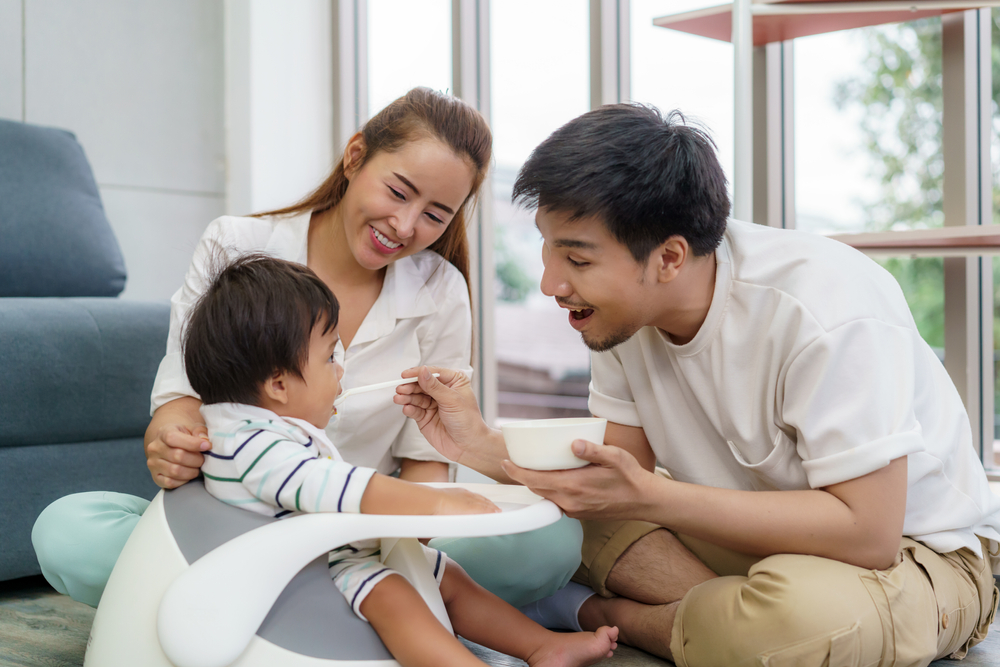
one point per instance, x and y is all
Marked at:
(276, 387)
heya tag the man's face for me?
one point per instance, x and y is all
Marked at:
(595, 277)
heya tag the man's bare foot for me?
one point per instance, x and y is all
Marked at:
(576, 649)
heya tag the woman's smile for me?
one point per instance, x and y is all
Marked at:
(382, 243)
(400, 202)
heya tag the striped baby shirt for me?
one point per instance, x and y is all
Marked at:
(277, 466)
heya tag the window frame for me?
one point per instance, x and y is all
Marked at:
(767, 151)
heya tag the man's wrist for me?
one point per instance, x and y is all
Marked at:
(483, 453)
(654, 499)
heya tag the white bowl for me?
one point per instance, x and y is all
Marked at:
(544, 444)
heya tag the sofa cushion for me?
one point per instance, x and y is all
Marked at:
(56, 238)
(78, 369)
(33, 477)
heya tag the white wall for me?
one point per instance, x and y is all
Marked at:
(141, 86)
(279, 100)
(164, 95)
(11, 63)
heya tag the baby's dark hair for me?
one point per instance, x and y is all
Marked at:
(254, 320)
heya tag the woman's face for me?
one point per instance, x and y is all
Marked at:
(399, 203)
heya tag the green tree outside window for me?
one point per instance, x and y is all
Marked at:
(900, 94)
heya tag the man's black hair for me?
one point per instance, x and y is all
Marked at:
(645, 176)
(254, 320)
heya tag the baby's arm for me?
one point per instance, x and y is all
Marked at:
(282, 473)
(388, 495)
(286, 474)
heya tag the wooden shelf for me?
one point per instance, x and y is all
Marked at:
(779, 20)
(941, 242)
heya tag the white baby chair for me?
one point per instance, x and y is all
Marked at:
(203, 584)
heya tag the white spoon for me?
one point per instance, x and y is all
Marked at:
(373, 387)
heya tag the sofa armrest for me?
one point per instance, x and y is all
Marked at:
(77, 369)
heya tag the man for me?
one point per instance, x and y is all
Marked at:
(819, 500)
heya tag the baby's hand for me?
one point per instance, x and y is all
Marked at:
(462, 501)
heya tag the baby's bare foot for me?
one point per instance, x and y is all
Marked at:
(576, 649)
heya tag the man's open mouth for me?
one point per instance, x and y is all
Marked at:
(581, 314)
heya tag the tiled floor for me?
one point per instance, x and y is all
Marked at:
(40, 628)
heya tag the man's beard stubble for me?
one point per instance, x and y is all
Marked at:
(611, 341)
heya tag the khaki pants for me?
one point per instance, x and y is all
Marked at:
(805, 610)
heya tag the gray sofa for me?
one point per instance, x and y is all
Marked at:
(76, 363)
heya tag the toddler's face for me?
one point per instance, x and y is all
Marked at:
(312, 397)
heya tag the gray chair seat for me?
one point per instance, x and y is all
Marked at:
(310, 617)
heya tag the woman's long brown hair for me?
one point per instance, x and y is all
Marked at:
(418, 114)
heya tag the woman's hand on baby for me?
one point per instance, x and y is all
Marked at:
(463, 501)
(175, 440)
(174, 456)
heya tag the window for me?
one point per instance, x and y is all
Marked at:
(994, 262)
(868, 154)
(543, 366)
(868, 136)
(675, 70)
(409, 44)
(870, 157)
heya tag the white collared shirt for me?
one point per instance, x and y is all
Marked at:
(422, 316)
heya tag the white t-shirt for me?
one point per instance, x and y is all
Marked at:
(422, 316)
(807, 371)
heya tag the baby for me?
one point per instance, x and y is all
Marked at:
(258, 349)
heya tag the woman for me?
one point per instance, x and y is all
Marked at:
(386, 232)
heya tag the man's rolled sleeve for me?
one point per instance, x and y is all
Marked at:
(610, 394)
(859, 461)
(850, 397)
